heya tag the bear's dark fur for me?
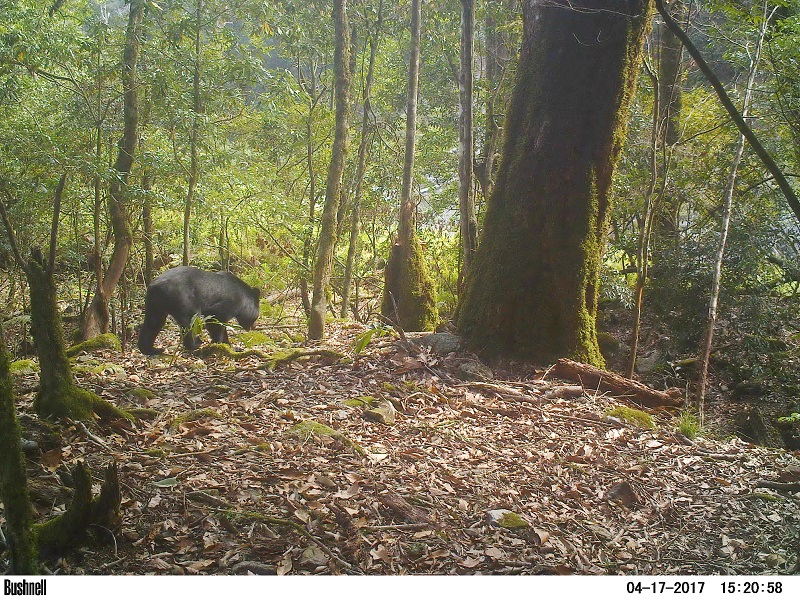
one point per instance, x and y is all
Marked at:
(183, 292)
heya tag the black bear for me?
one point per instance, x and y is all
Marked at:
(183, 292)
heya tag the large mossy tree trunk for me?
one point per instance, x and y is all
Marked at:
(97, 318)
(409, 293)
(327, 234)
(13, 478)
(532, 289)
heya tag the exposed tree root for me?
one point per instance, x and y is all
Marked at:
(69, 528)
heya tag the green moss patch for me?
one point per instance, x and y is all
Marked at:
(310, 429)
(194, 415)
(25, 366)
(141, 393)
(254, 338)
(145, 414)
(634, 416)
(360, 402)
(105, 341)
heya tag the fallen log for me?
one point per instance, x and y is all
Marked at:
(593, 378)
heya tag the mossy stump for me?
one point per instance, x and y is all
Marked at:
(409, 293)
(67, 529)
(58, 395)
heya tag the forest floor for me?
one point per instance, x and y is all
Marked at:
(229, 477)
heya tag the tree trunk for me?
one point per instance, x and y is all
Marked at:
(327, 234)
(196, 110)
(716, 282)
(498, 55)
(13, 478)
(308, 242)
(97, 317)
(409, 296)
(468, 222)
(669, 76)
(361, 167)
(148, 229)
(645, 228)
(532, 289)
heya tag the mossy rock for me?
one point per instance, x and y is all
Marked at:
(98, 368)
(156, 452)
(25, 366)
(381, 411)
(506, 519)
(474, 371)
(360, 402)
(634, 416)
(194, 415)
(309, 429)
(104, 341)
(216, 350)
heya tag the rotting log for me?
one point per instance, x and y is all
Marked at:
(597, 379)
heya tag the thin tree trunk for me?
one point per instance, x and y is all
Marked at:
(327, 234)
(409, 295)
(308, 243)
(97, 317)
(406, 201)
(361, 167)
(716, 282)
(466, 199)
(148, 229)
(197, 109)
(645, 227)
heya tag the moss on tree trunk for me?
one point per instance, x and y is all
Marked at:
(67, 529)
(532, 290)
(13, 479)
(58, 395)
(409, 296)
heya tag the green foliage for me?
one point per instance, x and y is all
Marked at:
(633, 416)
(688, 424)
(365, 338)
(790, 419)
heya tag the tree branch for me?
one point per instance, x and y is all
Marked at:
(735, 115)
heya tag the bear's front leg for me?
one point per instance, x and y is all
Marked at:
(191, 341)
(218, 332)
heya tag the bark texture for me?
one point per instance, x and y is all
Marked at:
(466, 198)
(13, 478)
(97, 317)
(409, 293)
(532, 289)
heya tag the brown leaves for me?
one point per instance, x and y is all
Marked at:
(239, 494)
